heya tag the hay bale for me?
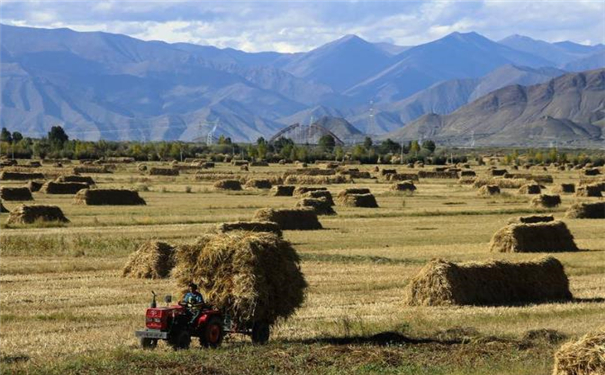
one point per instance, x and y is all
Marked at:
(156, 171)
(565, 188)
(34, 186)
(282, 190)
(260, 163)
(250, 226)
(112, 197)
(141, 167)
(442, 283)
(438, 174)
(254, 277)
(586, 211)
(532, 219)
(591, 172)
(258, 184)
(315, 180)
(350, 191)
(302, 190)
(489, 190)
(358, 200)
(92, 169)
(497, 172)
(583, 357)
(52, 187)
(152, 260)
(589, 191)
(384, 172)
(320, 194)
(403, 186)
(502, 183)
(402, 177)
(467, 173)
(75, 178)
(530, 189)
(228, 185)
(20, 176)
(551, 237)
(320, 205)
(546, 201)
(16, 194)
(28, 214)
(289, 219)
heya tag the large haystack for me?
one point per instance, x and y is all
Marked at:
(28, 214)
(404, 186)
(251, 276)
(546, 201)
(16, 194)
(583, 357)
(52, 187)
(282, 190)
(115, 197)
(593, 190)
(358, 200)
(586, 211)
(536, 237)
(157, 171)
(302, 190)
(565, 188)
(530, 189)
(152, 260)
(228, 185)
(258, 184)
(289, 219)
(489, 190)
(20, 176)
(250, 226)
(442, 283)
(532, 219)
(320, 205)
(320, 194)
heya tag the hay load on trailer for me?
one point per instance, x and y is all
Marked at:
(585, 356)
(152, 260)
(115, 197)
(532, 219)
(250, 226)
(403, 186)
(290, 219)
(254, 277)
(443, 283)
(320, 205)
(282, 190)
(28, 214)
(551, 237)
(546, 201)
(586, 211)
(234, 185)
(16, 194)
(52, 187)
(489, 190)
(20, 176)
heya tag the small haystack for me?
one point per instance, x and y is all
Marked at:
(546, 201)
(586, 211)
(497, 172)
(320, 205)
(52, 187)
(593, 190)
(28, 214)
(565, 188)
(152, 260)
(115, 197)
(358, 200)
(75, 178)
(530, 189)
(228, 185)
(442, 283)
(16, 194)
(349, 191)
(536, 237)
(402, 177)
(156, 171)
(258, 184)
(290, 219)
(467, 173)
(404, 186)
(282, 190)
(489, 190)
(20, 176)
(254, 277)
(250, 226)
(320, 194)
(34, 186)
(591, 172)
(316, 180)
(92, 169)
(302, 190)
(532, 219)
(583, 357)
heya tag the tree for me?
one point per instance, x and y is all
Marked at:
(339, 153)
(261, 141)
(327, 143)
(429, 145)
(5, 136)
(17, 136)
(367, 143)
(57, 136)
(261, 150)
(414, 147)
(389, 147)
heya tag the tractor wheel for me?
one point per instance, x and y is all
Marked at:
(180, 340)
(212, 336)
(260, 333)
(147, 343)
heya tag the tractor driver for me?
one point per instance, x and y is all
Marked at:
(194, 301)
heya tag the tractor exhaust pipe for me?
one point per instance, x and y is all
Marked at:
(154, 304)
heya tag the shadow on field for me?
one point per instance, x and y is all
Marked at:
(380, 339)
(588, 300)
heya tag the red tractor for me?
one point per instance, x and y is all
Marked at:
(176, 325)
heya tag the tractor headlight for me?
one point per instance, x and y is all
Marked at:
(157, 320)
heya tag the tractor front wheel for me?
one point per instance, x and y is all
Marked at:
(147, 343)
(180, 340)
(260, 333)
(212, 337)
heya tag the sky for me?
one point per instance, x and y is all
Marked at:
(295, 26)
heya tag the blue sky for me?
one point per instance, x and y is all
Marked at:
(288, 26)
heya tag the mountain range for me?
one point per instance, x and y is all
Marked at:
(111, 86)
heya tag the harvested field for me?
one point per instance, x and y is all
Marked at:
(290, 219)
(228, 185)
(155, 171)
(546, 201)
(321, 206)
(320, 194)
(250, 226)
(52, 187)
(442, 283)
(489, 190)
(258, 184)
(358, 200)
(20, 176)
(585, 356)
(586, 211)
(534, 237)
(282, 190)
(152, 260)
(29, 214)
(112, 197)
(16, 194)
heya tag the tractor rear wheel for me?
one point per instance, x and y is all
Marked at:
(213, 333)
(260, 333)
(147, 343)
(180, 340)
